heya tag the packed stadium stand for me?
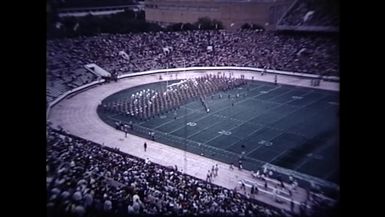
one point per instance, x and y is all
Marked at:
(310, 14)
(87, 179)
(313, 54)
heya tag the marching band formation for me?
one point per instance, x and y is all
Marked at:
(148, 103)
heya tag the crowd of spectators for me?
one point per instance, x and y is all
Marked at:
(158, 50)
(312, 13)
(87, 179)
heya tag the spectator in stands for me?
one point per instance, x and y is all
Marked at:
(66, 57)
(107, 182)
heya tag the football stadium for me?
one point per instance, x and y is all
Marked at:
(193, 118)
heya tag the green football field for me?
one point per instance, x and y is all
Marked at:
(287, 126)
